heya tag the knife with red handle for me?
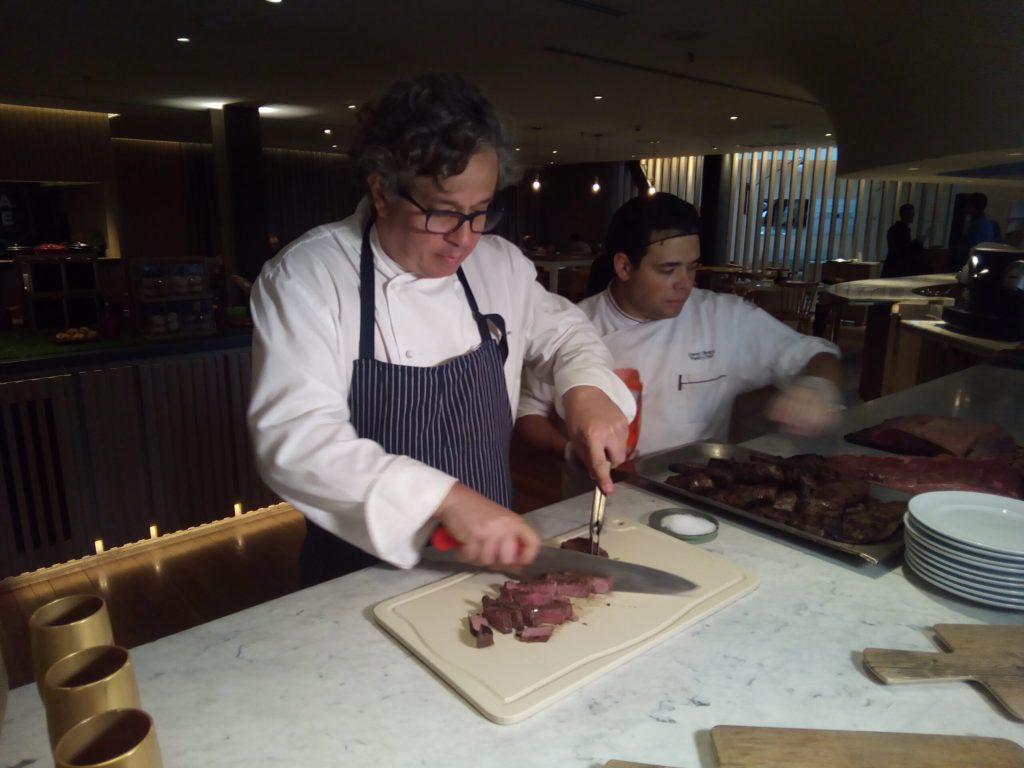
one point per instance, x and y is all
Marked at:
(626, 577)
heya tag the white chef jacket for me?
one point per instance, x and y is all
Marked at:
(691, 366)
(305, 310)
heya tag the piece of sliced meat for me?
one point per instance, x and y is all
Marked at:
(932, 435)
(536, 634)
(581, 544)
(481, 630)
(917, 474)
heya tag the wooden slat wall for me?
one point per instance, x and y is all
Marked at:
(679, 175)
(769, 192)
(54, 145)
(116, 447)
(105, 454)
(45, 513)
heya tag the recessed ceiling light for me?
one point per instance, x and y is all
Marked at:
(1012, 154)
(275, 2)
(714, 148)
(517, 149)
(914, 168)
(112, 115)
(333, 146)
(734, 117)
(598, 98)
(327, 131)
(351, 106)
(554, 151)
(184, 40)
(827, 135)
(267, 110)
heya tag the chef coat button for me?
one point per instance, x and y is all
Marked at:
(408, 353)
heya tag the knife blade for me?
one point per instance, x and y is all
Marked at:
(626, 577)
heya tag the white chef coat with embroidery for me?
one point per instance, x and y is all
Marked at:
(691, 366)
(305, 309)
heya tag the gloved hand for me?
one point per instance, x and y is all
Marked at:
(808, 406)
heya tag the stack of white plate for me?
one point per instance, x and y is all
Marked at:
(969, 544)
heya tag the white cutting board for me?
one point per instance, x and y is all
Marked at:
(513, 680)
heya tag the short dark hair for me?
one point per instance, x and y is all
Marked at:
(979, 201)
(430, 125)
(636, 220)
(906, 207)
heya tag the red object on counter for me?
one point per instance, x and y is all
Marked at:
(631, 378)
(442, 540)
(48, 248)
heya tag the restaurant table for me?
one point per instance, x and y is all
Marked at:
(310, 680)
(875, 291)
(554, 266)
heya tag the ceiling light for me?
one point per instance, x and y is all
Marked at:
(275, 2)
(1012, 154)
(333, 146)
(554, 151)
(351, 106)
(734, 117)
(184, 40)
(267, 110)
(517, 149)
(112, 115)
(827, 135)
(598, 98)
(327, 131)
(914, 168)
(714, 148)
(651, 190)
(536, 183)
(596, 186)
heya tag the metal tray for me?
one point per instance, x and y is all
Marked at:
(651, 471)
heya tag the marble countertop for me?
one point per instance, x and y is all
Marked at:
(944, 333)
(889, 289)
(309, 679)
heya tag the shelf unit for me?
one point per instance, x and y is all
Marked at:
(173, 298)
(60, 291)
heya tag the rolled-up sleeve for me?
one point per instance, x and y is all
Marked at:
(306, 447)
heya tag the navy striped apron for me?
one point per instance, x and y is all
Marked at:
(454, 417)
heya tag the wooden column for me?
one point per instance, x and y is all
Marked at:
(238, 154)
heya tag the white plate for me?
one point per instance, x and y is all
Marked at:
(971, 560)
(960, 547)
(970, 593)
(984, 520)
(1008, 585)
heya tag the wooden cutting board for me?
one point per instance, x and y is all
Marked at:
(992, 656)
(748, 747)
(512, 680)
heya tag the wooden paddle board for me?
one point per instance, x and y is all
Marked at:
(992, 656)
(512, 680)
(749, 747)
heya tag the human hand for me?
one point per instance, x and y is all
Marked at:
(597, 430)
(808, 407)
(490, 534)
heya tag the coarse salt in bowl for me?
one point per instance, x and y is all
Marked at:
(686, 524)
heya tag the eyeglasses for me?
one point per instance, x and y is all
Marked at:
(446, 222)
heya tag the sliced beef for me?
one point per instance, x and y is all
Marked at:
(503, 615)
(529, 593)
(582, 544)
(481, 630)
(535, 634)
(555, 612)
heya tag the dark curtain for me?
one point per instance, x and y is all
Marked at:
(306, 189)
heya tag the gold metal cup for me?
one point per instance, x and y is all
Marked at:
(85, 683)
(117, 738)
(66, 625)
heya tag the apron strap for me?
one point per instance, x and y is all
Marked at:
(367, 296)
(481, 320)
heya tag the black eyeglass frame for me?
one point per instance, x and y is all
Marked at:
(490, 217)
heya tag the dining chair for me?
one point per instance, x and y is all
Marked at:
(792, 302)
